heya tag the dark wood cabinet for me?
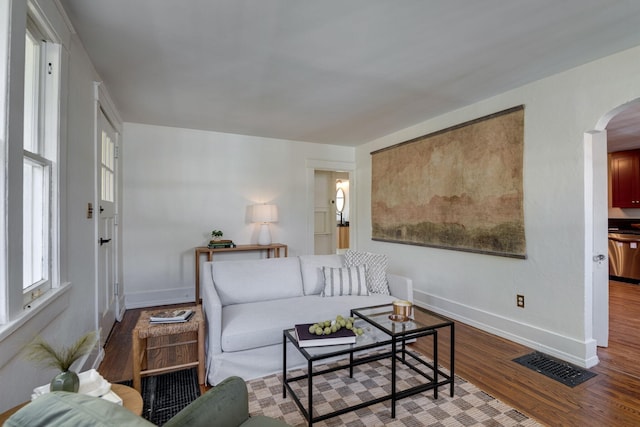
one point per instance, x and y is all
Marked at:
(625, 179)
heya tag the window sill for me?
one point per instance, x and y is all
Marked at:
(15, 334)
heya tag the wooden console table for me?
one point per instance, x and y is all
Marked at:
(275, 247)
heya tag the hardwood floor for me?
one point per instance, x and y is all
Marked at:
(612, 398)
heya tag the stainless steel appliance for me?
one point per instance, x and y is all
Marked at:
(624, 256)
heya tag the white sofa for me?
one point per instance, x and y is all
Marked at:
(247, 305)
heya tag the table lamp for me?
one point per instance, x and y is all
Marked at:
(264, 214)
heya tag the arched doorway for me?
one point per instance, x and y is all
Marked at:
(612, 133)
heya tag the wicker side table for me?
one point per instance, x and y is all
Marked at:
(166, 347)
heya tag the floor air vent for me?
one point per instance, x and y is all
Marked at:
(555, 369)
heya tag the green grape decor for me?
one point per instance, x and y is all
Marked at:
(328, 327)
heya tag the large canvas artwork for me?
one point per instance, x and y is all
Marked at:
(459, 188)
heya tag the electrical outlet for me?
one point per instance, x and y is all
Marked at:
(520, 301)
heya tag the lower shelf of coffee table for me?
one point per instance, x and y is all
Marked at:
(434, 377)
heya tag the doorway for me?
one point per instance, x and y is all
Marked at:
(109, 300)
(343, 222)
(619, 130)
(322, 218)
(331, 212)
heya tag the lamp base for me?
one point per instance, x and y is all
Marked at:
(264, 238)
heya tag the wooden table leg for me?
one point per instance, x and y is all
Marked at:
(198, 253)
(197, 276)
(137, 363)
(201, 371)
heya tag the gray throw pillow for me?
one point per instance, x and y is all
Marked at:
(377, 265)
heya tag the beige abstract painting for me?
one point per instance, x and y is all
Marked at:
(459, 188)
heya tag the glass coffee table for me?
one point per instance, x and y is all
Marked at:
(383, 339)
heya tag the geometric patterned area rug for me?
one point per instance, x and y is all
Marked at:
(165, 395)
(470, 406)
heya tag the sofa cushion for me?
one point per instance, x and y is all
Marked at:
(244, 281)
(344, 281)
(311, 267)
(377, 265)
(259, 324)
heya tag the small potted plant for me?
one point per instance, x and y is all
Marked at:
(62, 358)
(216, 235)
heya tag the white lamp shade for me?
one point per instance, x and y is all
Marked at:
(264, 213)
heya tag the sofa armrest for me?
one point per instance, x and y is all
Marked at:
(212, 308)
(400, 286)
(226, 404)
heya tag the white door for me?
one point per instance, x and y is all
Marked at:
(597, 147)
(324, 214)
(107, 289)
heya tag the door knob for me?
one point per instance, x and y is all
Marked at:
(103, 241)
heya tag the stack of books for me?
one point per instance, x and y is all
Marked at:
(171, 316)
(221, 244)
(307, 339)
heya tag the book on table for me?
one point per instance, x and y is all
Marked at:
(171, 316)
(307, 339)
(221, 244)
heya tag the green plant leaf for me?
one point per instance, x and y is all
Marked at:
(62, 358)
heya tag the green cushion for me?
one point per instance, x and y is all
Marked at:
(226, 404)
(62, 409)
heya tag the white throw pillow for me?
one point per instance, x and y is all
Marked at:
(377, 265)
(345, 281)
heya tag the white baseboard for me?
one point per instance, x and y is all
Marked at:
(579, 353)
(98, 359)
(120, 314)
(164, 297)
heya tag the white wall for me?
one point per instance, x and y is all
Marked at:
(481, 289)
(54, 322)
(180, 184)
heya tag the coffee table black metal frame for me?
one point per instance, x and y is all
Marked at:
(387, 334)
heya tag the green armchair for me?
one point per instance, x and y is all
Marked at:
(226, 404)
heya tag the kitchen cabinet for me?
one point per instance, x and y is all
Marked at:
(625, 179)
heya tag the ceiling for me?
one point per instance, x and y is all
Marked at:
(333, 71)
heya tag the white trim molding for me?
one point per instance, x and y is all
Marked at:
(564, 347)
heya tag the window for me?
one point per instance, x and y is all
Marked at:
(108, 168)
(40, 145)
